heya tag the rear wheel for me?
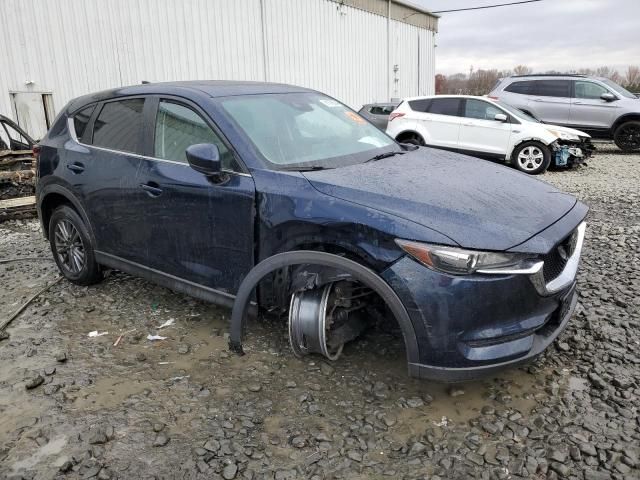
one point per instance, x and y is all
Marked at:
(627, 136)
(71, 247)
(531, 157)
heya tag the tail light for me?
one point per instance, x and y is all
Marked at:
(36, 152)
(493, 98)
(394, 115)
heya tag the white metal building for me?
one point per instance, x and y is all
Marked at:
(359, 51)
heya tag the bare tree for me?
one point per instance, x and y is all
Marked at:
(632, 77)
(522, 70)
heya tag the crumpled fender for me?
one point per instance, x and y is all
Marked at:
(298, 257)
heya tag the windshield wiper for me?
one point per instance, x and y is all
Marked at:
(383, 155)
(305, 168)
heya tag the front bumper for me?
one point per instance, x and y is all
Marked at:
(567, 153)
(470, 326)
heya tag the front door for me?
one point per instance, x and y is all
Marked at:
(480, 132)
(33, 112)
(199, 229)
(588, 110)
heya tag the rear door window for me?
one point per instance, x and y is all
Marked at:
(445, 106)
(119, 126)
(80, 123)
(178, 127)
(553, 88)
(523, 88)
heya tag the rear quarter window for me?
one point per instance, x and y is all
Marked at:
(420, 105)
(80, 123)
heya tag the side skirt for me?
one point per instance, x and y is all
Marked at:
(169, 281)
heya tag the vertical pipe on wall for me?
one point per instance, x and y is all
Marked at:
(388, 50)
(264, 40)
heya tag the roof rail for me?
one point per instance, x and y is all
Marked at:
(582, 75)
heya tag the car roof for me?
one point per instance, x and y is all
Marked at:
(427, 97)
(211, 88)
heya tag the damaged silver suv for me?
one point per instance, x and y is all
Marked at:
(597, 106)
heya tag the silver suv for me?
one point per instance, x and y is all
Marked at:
(598, 106)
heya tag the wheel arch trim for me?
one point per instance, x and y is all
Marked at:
(73, 200)
(298, 257)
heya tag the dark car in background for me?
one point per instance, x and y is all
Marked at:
(378, 113)
(214, 188)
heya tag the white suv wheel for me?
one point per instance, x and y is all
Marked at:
(530, 158)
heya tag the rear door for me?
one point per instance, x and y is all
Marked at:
(588, 110)
(198, 228)
(551, 101)
(102, 166)
(442, 122)
(480, 132)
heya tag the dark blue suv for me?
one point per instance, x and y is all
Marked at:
(269, 197)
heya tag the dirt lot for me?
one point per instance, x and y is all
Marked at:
(185, 408)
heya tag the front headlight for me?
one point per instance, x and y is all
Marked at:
(459, 261)
(564, 135)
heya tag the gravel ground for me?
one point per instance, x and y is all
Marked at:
(74, 406)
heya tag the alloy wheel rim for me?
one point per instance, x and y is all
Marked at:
(630, 136)
(69, 246)
(530, 158)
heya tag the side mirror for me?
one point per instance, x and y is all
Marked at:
(608, 97)
(501, 117)
(204, 158)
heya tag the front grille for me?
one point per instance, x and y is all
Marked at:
(556, 259)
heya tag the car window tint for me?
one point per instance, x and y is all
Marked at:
(553, 88)
(377, 110)
(80, 122)
(588, 90)
(178, 127)
(119, 126)
(445, 106)
(420, 105)
(524, 88)
(480, 110)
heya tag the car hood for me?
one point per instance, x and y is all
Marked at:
(478, 204)
(571, 131)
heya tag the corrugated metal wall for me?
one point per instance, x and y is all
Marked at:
(73, 47)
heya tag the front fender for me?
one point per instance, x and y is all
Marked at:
(356, 270)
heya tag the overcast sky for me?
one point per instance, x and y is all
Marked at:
(551, 34)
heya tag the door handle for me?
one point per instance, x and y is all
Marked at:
(76, 167)
(151, 188)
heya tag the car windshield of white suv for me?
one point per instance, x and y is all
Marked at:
(518, 113)
(306, 130)
(618, 89)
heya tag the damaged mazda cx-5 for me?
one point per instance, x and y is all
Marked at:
(268, 197)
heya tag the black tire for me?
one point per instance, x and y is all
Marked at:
(71, 247)
(413, 139)
(535, 159)
(627, 136)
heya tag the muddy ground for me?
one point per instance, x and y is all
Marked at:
(185, 407)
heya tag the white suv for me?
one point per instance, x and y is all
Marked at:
(484, 128)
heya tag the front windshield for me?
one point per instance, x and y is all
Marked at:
(306, 129)
(518, 113)
(621, 90)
